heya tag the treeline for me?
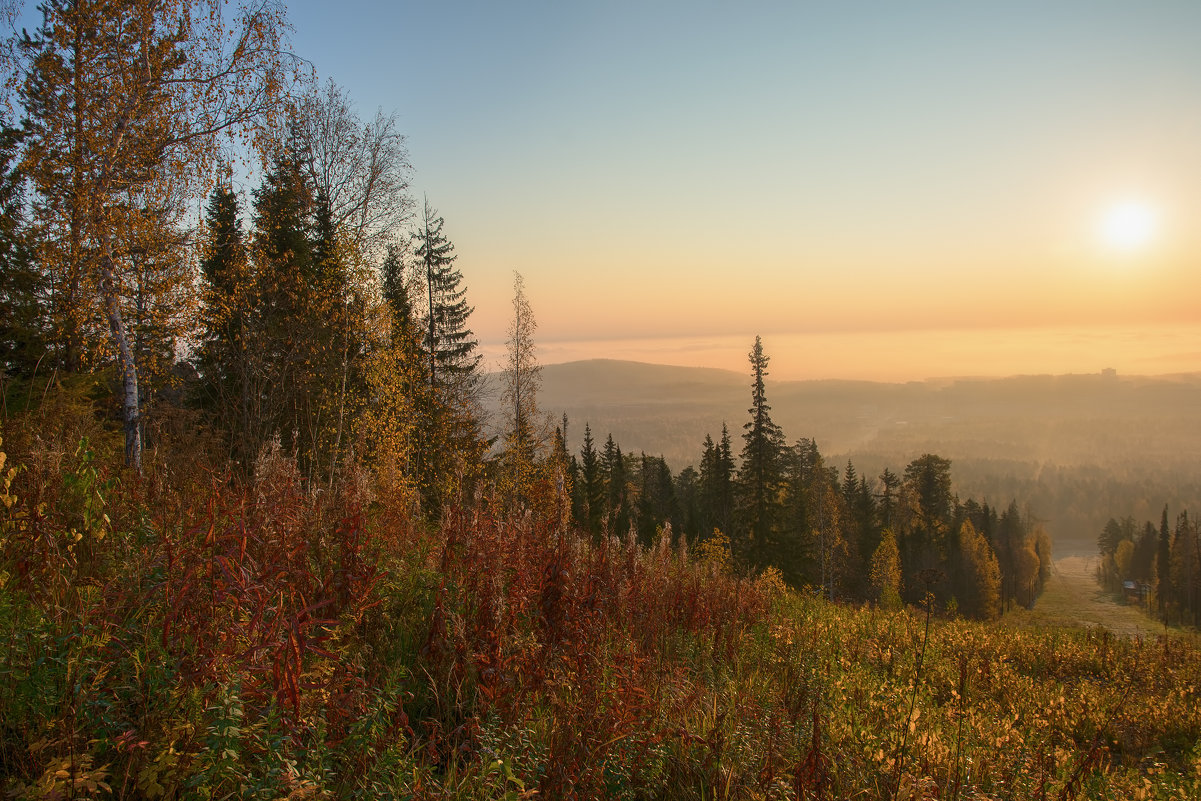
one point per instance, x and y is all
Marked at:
(1081, 498)
(889, 539)
(1163, 563)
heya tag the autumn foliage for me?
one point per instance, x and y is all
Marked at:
(188, 634)
(265, 545)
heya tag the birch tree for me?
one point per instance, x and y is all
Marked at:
(523, 377)
(360, 166)
(131, 97)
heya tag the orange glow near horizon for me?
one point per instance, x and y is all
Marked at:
(909, 355)
(897, 305)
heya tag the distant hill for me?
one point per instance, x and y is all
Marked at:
(1062, 420)
(1128, 444)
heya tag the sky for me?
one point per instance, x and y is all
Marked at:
(882, 190)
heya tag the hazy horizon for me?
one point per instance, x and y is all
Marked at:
(904, 355)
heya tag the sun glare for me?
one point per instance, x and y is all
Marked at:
(1129, 226)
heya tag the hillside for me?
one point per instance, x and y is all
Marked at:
(257, 641)
(1077, 448)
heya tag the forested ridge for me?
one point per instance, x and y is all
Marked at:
(258, 538)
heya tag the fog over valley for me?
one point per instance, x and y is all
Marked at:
(1076, 449)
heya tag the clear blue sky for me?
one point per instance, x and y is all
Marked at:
(706, 171)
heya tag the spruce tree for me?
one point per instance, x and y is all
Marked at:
(286, 337)
(22, 285)
(1011, 538)
(928, 541)
(224, 264)
(337, 309)
(592, 484)
(800, 557)
(761, 476)
(716, 485)
(656, 497)
(686, 487)
(617, 497)
(1163, 566)
(860, 509)
(224, 360)
(558, 447)
(328, 264)
(890, 483)
(449, 344)
(930, 477)
(725, 481)
(1184, 567)
(707, 502)
(451, 443)
(396, 293)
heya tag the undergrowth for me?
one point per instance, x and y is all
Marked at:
(190, 635)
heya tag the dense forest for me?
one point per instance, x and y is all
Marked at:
(841, 533)
(258, 538)
(1074, 449)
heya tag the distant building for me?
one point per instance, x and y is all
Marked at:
(1130, 590)
(1136, 592)
(1109, 372)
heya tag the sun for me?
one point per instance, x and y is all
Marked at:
(1129, 226)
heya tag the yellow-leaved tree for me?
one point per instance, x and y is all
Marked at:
(886, 571)
(127, 102)
(982, 574)
(396, 393)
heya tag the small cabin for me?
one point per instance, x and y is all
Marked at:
(1136, 592)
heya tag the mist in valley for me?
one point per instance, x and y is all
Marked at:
(1073, 450)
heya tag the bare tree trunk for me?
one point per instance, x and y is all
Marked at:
(333, 465)
(341, 393)
(126, 359)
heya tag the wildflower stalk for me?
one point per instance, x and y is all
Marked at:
(929, 577)
(962, 699)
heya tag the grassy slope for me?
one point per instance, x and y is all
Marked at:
(206, 640)
(1072, 598)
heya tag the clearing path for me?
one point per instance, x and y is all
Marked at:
(1072, 597)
